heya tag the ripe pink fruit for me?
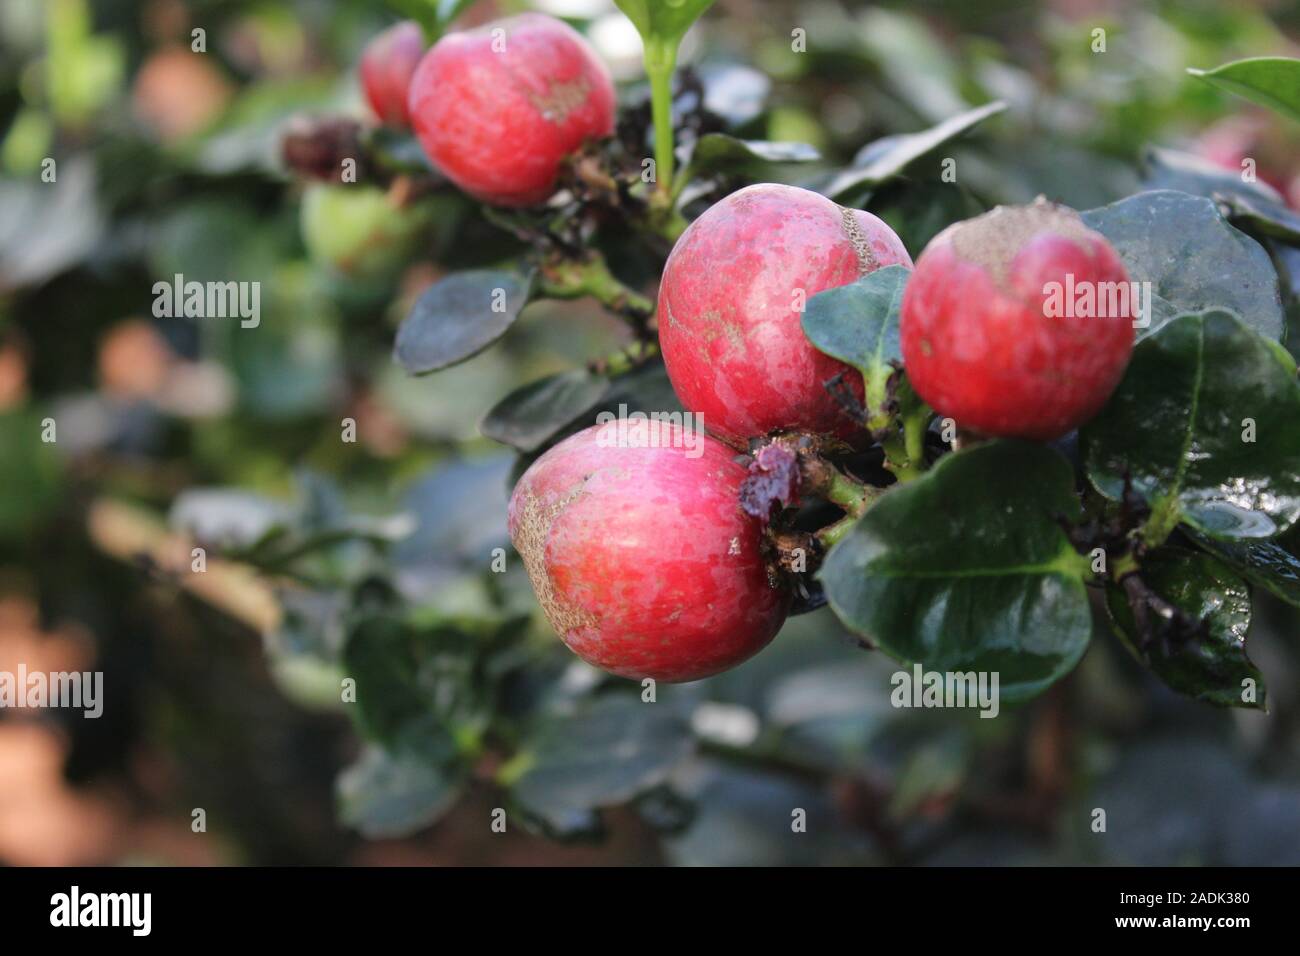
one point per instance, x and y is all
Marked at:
(984, 341)
(731, 303)
(387, 65)
(641, 556)
(498, 108)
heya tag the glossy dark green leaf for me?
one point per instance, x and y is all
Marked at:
(885, 159)
(458, 317)
(1211, 666)
(1267, 564)
(384, 796)
(611, 750)
(858, 324)
(1255, 207)
(1272, 81)
(967, 569)
(1192, 257)
(718, 151)
(1178, 422)
(530, 415)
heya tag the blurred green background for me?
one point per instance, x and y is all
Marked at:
(222, 691)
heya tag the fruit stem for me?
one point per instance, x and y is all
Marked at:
(660, 61)
(824, 480)
(915, 425)
(832, 533)
(1164, 518)
(898, 460)
(574, 278)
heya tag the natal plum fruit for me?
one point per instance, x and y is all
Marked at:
(1018, 323)
(498, 108)
(387, 65)
(731, 303)
(641, 556)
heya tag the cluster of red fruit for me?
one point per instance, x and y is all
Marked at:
(641, 556)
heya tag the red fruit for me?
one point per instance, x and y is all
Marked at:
(983, 335)
(387, 65)
(498, 108)
(641, 556)
(731, 302)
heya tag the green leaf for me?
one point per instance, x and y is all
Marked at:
(610, 751)
(1177, 424)
(967, 569)
(718, 151)
(31, 473)
(666, 20)
(1193, 259)
(885, 159)
(1272, 81)
(423, 688)
(642, 389)
(858, 324)
(384, 796)
(458, 317)
(531, 414)
(1265, 563)
(1209, 667)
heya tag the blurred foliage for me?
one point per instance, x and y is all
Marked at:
(374, 555)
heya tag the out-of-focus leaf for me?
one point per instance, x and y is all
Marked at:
(458, 317)
(611, 750)
(887, 158)
(744, 817)
(1272, 81)
(531, 414)
(48, 227)
(1257, 206)
(31, 474)
(919, 67)
(734, 92)
(385, 796)
(718, 151)
(229, 517)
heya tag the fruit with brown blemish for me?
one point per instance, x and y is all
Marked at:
(641, 556)
(731, 303)
(991, 335)
(499, 108)
(387, 65)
